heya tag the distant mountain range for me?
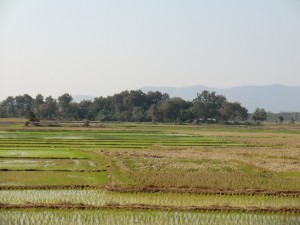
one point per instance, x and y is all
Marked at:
(275, 98)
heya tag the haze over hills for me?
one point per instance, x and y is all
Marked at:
(275, 98)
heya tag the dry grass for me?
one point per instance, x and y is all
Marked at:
(206, 158)
(270, 161)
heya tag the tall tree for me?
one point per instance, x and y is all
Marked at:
(259, 115)
(39, 99)
(52, 109)
(135, 99)
(39, 106)
(23, 105)
(208, 105)
(280, 119)
(138, 114)
(233, 112)
(154, 113)
(173, 109)
(64, 104)
(82, 110)
(154, 98)
(8, 108)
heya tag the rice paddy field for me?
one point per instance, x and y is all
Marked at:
(139, 173)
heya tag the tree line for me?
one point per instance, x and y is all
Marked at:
(134, 105)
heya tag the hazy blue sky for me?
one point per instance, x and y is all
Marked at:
(103, 47)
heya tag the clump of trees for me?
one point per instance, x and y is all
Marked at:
(132, 105)
(259, 115)
(283, 117)
(209, 106)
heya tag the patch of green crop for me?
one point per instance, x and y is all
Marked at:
(104, 197)
(118, 141)
(149, 217)
(50, 178)
(48, 164)
(40, 153)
